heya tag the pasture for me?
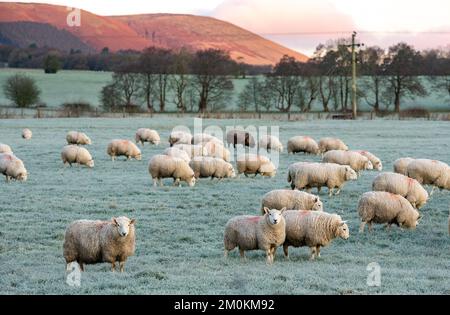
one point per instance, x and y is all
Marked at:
(71, 86)
(179, 247)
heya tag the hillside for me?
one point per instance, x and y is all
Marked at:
(140, 31)
(24, 34)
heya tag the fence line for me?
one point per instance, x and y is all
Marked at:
(27, 113)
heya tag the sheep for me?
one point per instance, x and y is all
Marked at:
(192, 150)
(216, 149)
(289, 199)
(78, 155)
(204, 167)
(328, 144)
(174, 152)
(270, 143)
(147, 135)
(163, 166)
(12, 167)
(355, 160)
(92, 242)
(376, 162)
(430, 172)
(292, 171)
(202, 138)
(319, 175)
(123, 148)
(27, 134)
(4, 148)
(180, 137)
(313, 229)
(403, 186)
(303, 144)
(78, 138)
(244, 138)
(255, 164)
(252, 233)
(383, 207)
(400, 165)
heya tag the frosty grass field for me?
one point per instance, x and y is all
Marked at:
(180, 230)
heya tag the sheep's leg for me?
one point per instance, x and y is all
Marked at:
(308, 190)
(242, 253)
(319, 190)
(313, 253)
(113, 158)
(286, 251)
(269, 259)
(161, 182)
(338, 192)
(225, 253)
(155, 182)
(331, 192)
(370, 224)
(113, 266)
(318, 251)
(388, 227)
(362, 226)
(432, 191)
(81, 266)
(122, 266)
(8, 178)
(177, 182)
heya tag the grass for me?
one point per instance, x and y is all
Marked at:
(74, 86)
(180, 230)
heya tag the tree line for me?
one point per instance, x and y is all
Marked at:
(203, 81)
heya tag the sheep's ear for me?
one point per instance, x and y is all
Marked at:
(266, 210)
(343, 223)
(317, 199)
(284, 209)
(132, 221)
(115, 221)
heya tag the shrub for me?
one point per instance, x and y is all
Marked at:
(417, 112)
(76, 109)
(21, 90)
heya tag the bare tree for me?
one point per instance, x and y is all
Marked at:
(211, 69)
(180, 81)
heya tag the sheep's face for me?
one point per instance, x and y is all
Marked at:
(123, 225)
(230, 172)
(156, 142)
(350, 174)
(378, 166)
(90, 163)
(318, 205)
(413, 222)
(369, 165)
(274, 216)
(138, 156)
(191, 181)
(85, 139)
(268, 170)
(22, 176)
(343, 231)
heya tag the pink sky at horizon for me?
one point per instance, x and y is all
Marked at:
(303, 24)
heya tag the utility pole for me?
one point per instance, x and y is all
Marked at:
(354, 87)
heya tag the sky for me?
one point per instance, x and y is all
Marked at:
(303, 24)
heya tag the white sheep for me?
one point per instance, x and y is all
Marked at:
(292, 200)
(376, 162)
(355, 160)
(270, 143)
(72, 154)
(401, 185)
(252, 233)
(12, 167)
(205, 166)
(401, 165)
(217, 150)
(163, 166)
(175, 152)
(313, 229)
(91, 242)
(79, 138)
(303, 144)
(123, 148)
(192, 150)
(180, 137)
(319, 175)
(240, 137)
(4, 148)
(147, 135)
(292, 171)
(328, 144)
(255, 164)
(382, 207)
(27, 134)
(430, 172)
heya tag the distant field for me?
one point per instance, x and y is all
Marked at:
(75, 86)
(180, 230)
